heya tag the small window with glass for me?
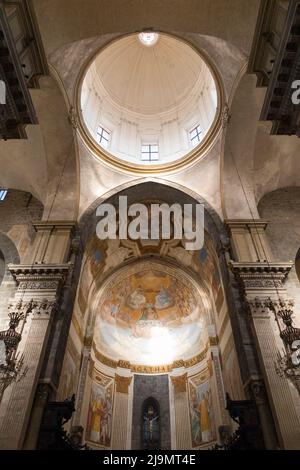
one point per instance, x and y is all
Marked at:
(3, 193)
(196, 135)
(103, 137)
(149, 153)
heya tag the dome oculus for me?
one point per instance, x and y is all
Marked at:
(148, 38)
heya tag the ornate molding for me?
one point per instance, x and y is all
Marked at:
(122, 383)
(258, 308)
(179, 383)
(44, 308)
(39, 277)
(146, 369)
(261, 275)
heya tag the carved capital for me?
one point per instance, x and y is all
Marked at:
(258, 308)
(179, 383)
(44, 308)
(122, 383)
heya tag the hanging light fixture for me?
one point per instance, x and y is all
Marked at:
(288, 361)
(12, 368)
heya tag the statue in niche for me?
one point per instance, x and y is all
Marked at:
(151, 425)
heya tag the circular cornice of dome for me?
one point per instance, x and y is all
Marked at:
(132, 96)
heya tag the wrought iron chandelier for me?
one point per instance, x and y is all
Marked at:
(12, 367)
(288, 361)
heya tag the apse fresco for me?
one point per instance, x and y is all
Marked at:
(149, 318)
(201, 410)
(99, 421)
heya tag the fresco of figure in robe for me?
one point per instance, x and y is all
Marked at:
(99, 420)
(201, 412)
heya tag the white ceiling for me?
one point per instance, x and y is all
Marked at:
(149, 80)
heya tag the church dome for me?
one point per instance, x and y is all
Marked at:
(148, 99)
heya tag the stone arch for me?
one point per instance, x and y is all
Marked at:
(8, 249)
(148, 187)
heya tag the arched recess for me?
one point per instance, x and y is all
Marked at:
(8, 254)
(8, 249)
(237, 180)
(120, 343)
(102, 260)
(146, 188)
(150, 418)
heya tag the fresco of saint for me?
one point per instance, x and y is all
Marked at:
(99, 420)
(201, 413)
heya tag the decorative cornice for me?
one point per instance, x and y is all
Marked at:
(260, 275)
(146, 369)
(39, 277)
(261, 267)
(38, 269)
